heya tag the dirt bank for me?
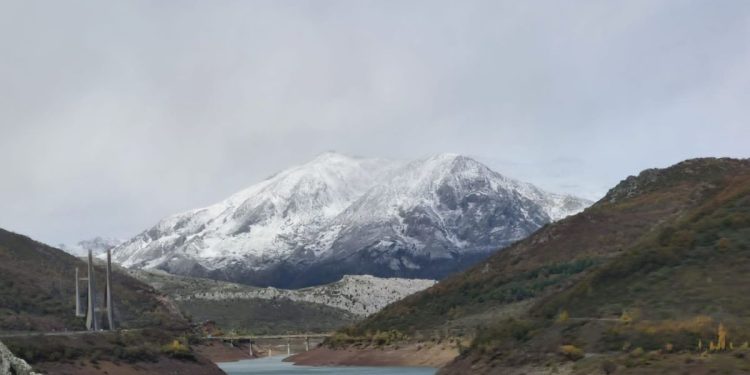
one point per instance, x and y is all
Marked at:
(433, 355)
(217, 351)
(481, 368)
(165, 366)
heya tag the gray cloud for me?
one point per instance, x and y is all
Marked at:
(115, 114)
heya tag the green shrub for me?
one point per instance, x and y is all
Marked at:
(178, 350)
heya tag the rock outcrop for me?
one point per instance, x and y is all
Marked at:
(12, 365)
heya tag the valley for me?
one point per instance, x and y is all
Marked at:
(412, 187)
(649, 279)
(386, 222)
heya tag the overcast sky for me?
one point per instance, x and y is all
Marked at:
(116, 114)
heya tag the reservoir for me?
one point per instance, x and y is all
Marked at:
(275, 366)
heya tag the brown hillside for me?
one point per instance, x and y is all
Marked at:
(645, 251)
(37, 295)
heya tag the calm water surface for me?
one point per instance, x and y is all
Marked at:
(275, 366)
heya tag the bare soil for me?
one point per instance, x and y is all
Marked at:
(217, 351)
(165, 366)
(410, 355)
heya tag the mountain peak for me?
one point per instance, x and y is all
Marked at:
(438, 167)
(445, 208)
(339, 158)
(448, 158)
(445, 156)
(332, 156)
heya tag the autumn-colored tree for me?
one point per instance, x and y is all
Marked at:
(572, 352)
(563, 317)
(628, 316)
(177, 350)
(721, 343)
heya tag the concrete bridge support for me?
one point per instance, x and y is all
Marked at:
(108, 293)
(92, 310)
(91, 320)
(79, 312)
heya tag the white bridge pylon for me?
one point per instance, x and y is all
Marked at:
(92, 310)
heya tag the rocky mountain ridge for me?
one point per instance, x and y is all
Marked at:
(361, 295)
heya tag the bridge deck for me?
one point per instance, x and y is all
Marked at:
(269, 337)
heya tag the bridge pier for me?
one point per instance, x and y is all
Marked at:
(79, 312)
(92, 310)
(91, 319)
(274, 341)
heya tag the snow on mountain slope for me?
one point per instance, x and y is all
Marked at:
(97, 245)
(339, 215)
(436, 202)
(361, 295)
(264, 222)
(433, 217)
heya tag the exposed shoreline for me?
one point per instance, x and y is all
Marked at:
(412, 355)
(163, 366)
(218, 352)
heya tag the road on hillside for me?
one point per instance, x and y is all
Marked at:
(58, 333)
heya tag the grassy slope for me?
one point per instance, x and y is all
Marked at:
(37, 294)
(670, 247)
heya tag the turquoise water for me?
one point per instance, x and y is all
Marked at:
(275, 366)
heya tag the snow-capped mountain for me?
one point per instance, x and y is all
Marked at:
(258, 225)
(97, 245)
(338, 215)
